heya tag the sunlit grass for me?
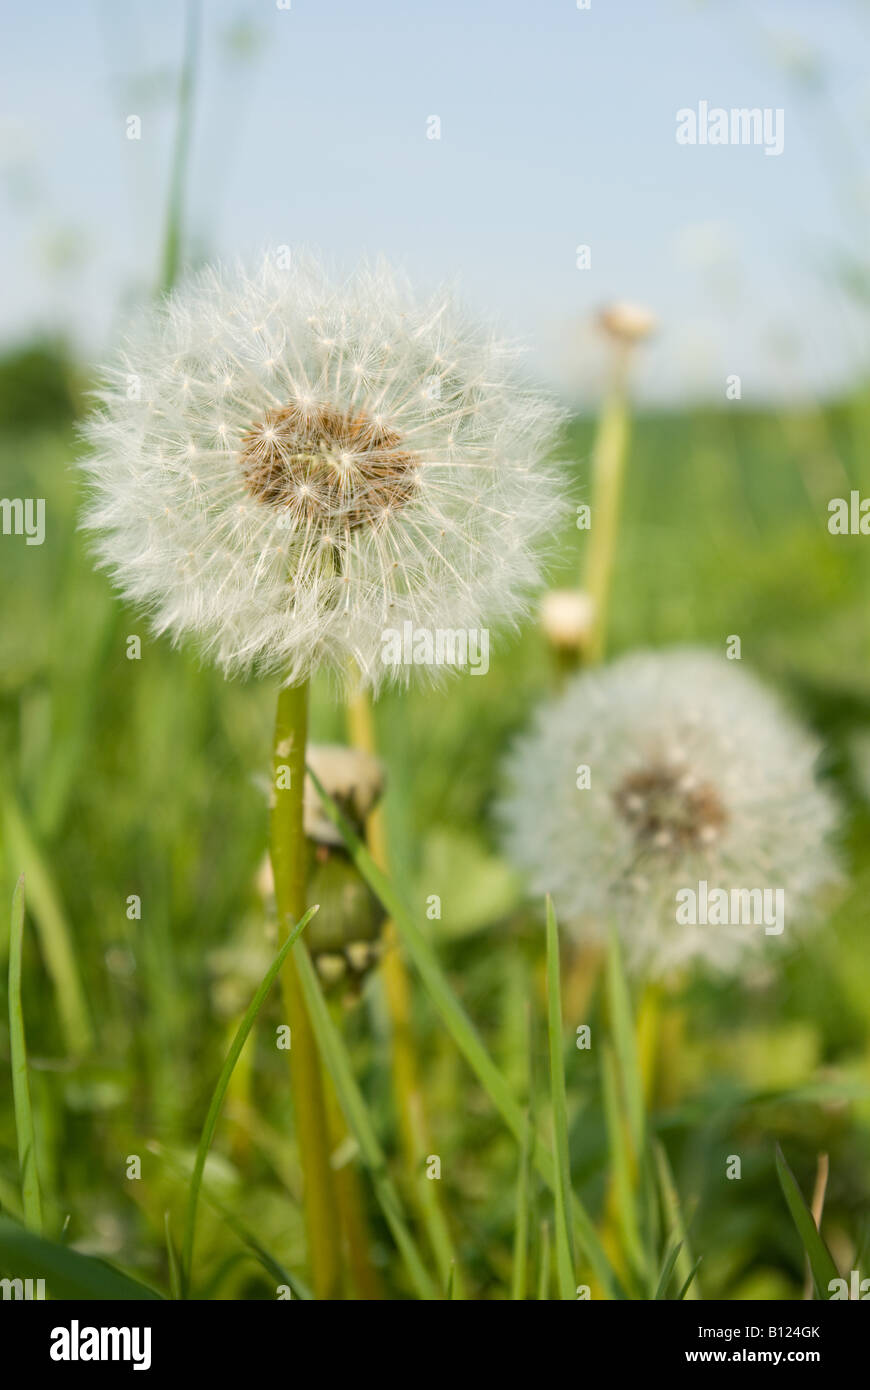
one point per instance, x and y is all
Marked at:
(139, 777)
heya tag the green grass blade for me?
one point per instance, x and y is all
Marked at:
(67, 1274)
(10, 1199)
(220, 1089)
(564, 1241)
(74, 706)
(821, 1261)
(619, 1149)
(263, 1257)
(622, 1027)
(184, 122)
(544, 1263)
(30, 1194)
(667, 1271)
(519, 1278)
(337, 1062)
(462, 1030)
(675, 1221)
(53, 931)
(684, 1290)
(172, 1259)
(270, 1264)
(460, 1026)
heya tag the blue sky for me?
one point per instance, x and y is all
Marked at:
(557, 129)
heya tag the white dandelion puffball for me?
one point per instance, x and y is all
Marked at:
(284, 468)
(654, 775)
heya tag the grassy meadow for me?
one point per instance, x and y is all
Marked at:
(147, 778)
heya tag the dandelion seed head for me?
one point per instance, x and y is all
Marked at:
(288, 482)
(696, 771)
(334, 469)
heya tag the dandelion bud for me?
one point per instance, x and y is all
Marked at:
(627, 324)
(347, 926)
(567, 617)
(353, 778)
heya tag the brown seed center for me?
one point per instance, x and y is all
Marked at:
(329, 469)
(668, 810)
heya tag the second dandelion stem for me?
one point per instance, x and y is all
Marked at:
(413, 1128)
(611, 447)
(289, 855)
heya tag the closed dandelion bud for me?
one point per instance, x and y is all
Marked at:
(567, 617)
(343, 936)
(627, 324)
(354, 779)
(330, 968)
(348, 924)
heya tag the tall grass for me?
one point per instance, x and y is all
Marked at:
(140, 778)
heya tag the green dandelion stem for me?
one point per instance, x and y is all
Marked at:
(608, 470)
(289, 852)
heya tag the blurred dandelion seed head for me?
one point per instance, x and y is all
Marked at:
(667, 810)
(696, 771)
(283, 466)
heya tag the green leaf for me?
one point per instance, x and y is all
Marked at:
(564, 1240)
(220, 1090)
(67, 1274)
(29, 1176)
(821, 1261)
(461, 1028)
